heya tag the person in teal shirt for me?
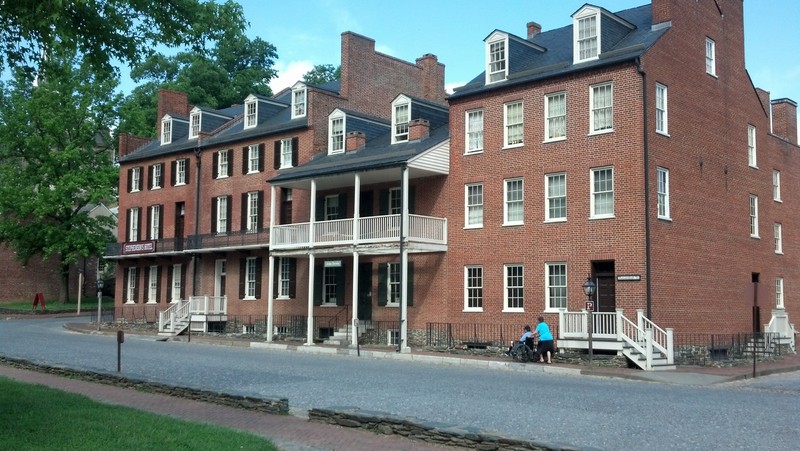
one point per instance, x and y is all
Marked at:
(545, 344)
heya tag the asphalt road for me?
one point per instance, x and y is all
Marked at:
(587, 411)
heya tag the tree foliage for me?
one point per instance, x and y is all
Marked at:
(220, 76)
(55, 160)
(322, 73)
(106, 30)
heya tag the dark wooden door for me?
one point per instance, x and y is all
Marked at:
(365, 291)
(180, 212)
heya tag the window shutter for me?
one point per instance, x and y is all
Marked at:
(128, 226)
(410, 284)
(411, 196)
(214, 205)
(276, 156)
(231, 158)
(261, 157)
(295, 151)
(292, 278)
(139, 225)
(161, 221)
(182, 294)
(158, 284)
(214, 163)
(186, 170)
(245, 158)
(340, 281)
(149, 177)
(383, 277)
(383, 202)
(148, 218)
(130, 180)
(342, 206)
(126, 274)
(173, 165)
(229, 211)
(258, 278)
(365, 206)
(318, 284)
(169, 283)
(260, 210)
(320, 208)
(242, 273)
(139, 277)
(244, 211)
(276, 271)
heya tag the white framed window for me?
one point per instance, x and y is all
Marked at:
(253, 159)
(401, 115)
(194, 124)
(473, 205)
(130, 290)
(180, 172)
(136, 179)
(555, 286)
(166, 130)
(662, 123)
(395, 201)
(223, 162)
(286, 153)
(250, 278)
(555, 117)
(586, 35)
(176, 282)
(252, 211)
(753, 216)
(222, 215)
(152, 289)
(299, 101)
(513, 127)
(514, 288)
(284, 277)
(336, 133)
(779, 292)
(602, 200)
(393, 292)
(474, 138)
(250, 112)
(601, 118)
(513, 207)
(473, 288)
(156, 176)
(711, 57)
(778, 228)
(155, 222)
(329, 284)
(496, 58)
(331, 211)
(663, 193)
(555, 197)
(751, 146)
(776, 186)
(133, 224)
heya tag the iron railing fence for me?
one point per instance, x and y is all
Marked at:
(475, 335)
(697, 349)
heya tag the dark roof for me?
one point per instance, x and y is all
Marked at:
(376, 154)
(527, 63)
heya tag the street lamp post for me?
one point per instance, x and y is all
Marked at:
(99, 301)
(589, 288)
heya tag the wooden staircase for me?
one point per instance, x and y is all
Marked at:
(343, 335)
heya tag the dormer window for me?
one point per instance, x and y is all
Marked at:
(496, 57)
(586, 34)
(166, 130)
(401, 114)
(250, 112)
(336, 132)
(298, 100)
(194, 124)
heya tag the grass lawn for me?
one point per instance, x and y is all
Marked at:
(42, 418)
(88, 304)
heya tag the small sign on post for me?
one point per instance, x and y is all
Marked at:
(590, 306)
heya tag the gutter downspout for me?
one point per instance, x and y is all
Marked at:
(647, 239)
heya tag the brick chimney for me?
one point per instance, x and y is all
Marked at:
(763, 96)
(418, 129)
(432, 78)
(128, 143)
(171, 102)
(784, 119)
(355, 140)
(533, 29)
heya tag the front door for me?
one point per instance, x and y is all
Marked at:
(604, 273)
(365, 291)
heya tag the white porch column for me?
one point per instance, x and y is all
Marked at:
(310, 325)
(354, 341)
(272, 192)
(312, 214)
(270, 294)
(404, 348)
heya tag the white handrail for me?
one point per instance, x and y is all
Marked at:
(662, 339)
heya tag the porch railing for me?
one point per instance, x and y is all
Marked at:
(169, 319)
(208, 305)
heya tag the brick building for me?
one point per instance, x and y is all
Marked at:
(629, 149)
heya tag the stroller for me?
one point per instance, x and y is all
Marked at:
(524, 352)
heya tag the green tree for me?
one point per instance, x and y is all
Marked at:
(218, 77)
(106, 30)
(55, 160)
(322, 73)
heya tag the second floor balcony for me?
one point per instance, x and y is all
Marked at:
(424, 233)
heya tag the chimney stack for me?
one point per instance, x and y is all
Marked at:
(418, 129)
(355, 140)
(533, 29)
(784, 119)
(171, 102)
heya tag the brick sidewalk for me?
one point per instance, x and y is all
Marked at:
(287, 432)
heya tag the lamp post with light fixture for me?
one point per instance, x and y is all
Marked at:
(589, 288)
(99, 300)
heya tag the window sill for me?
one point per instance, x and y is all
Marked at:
(665, 218)
(513, 310)
(592, 218)
(601, 132)
(469, 227)
(755, 237)
(555, 221)
(253, 172)
(155, 188)
(392, 305)
(286, 167)
(752, 166)
(472, 310)
(662, 133)
(283, 298)
(180, 184)
(222, 177)
(328, 305)
(129, 302)
(778, 252)
(713, 75)
(512, 146)
(474, 152)
(780, 201)
(136, 190)
(150, 302)
(249, 298)
(555, 140)
(512, 224)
